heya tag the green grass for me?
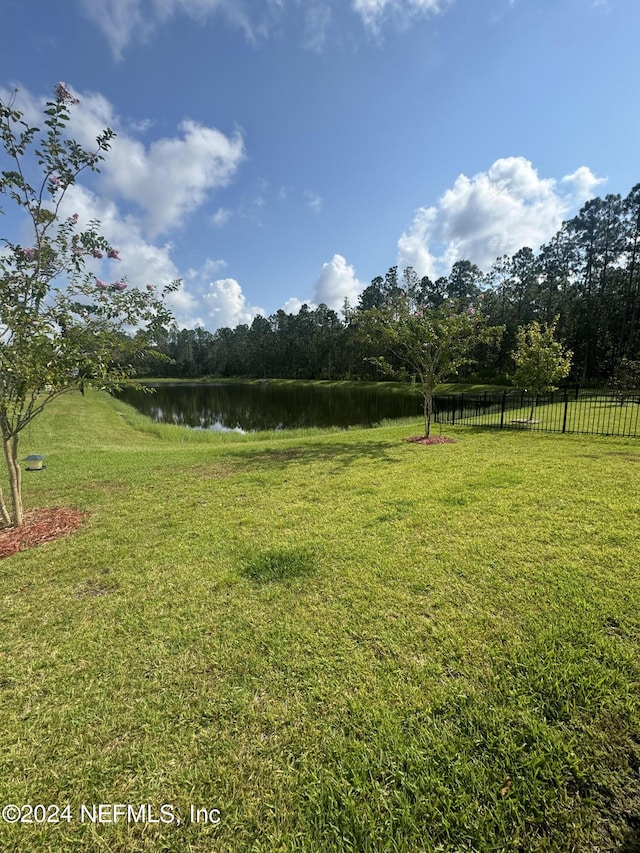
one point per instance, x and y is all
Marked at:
(342, 641)
(601, 416)
(392, 386)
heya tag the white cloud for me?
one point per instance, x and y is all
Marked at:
(123, 20)
(373, 12)
(183, 171)
(493, 213)
(337, 281)
(24, 101)
(140, 125)
(293, 305)
(583, 183)
(314, 201)
(221, 217)
(226, 305)
(167, 180)
(317, 18)
(141, 262)
(413, 245)
(173, 177)
(212, 266)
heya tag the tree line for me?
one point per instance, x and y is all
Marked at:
(587, 276)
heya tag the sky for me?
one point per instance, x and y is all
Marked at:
(278, 152)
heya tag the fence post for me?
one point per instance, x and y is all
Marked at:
(461, 406)
(504, 401)
(453, 410)
(566, 406)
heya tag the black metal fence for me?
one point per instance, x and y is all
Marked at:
(575, 410)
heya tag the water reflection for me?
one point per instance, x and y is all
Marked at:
(248, 408)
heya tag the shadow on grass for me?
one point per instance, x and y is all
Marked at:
(279, 565)
(340, 454)
(631, 842)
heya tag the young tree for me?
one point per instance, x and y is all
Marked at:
(541, 361)
(626, 379)
(61, 327)
(430, 345)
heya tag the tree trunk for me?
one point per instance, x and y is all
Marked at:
(428, 408)
(15, 477)
(4, 512)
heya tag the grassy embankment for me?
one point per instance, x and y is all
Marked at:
(397, 387)
(342, 641)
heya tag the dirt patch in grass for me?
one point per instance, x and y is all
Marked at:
(40, 525)
(91, 589)
(433, 439)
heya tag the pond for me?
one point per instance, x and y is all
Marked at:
(263, 406)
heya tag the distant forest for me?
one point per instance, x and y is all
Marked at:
(587, 275)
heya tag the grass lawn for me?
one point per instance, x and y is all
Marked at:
(340, 640)
(390, 386)
(603, 416)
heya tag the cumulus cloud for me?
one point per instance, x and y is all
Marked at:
(337, 281)
(191, 165)
(413, 245)
(293, 305)
(141, 262)
(582, 184)
(493, 213)
(144, 192)
(226, 305)
(167, 180)
(173, 177)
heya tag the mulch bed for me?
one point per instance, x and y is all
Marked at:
(433, 439)
(40, 525)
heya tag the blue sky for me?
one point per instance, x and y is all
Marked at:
(274, 152)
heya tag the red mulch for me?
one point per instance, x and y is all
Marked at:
(433, 439)
(40, 525)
